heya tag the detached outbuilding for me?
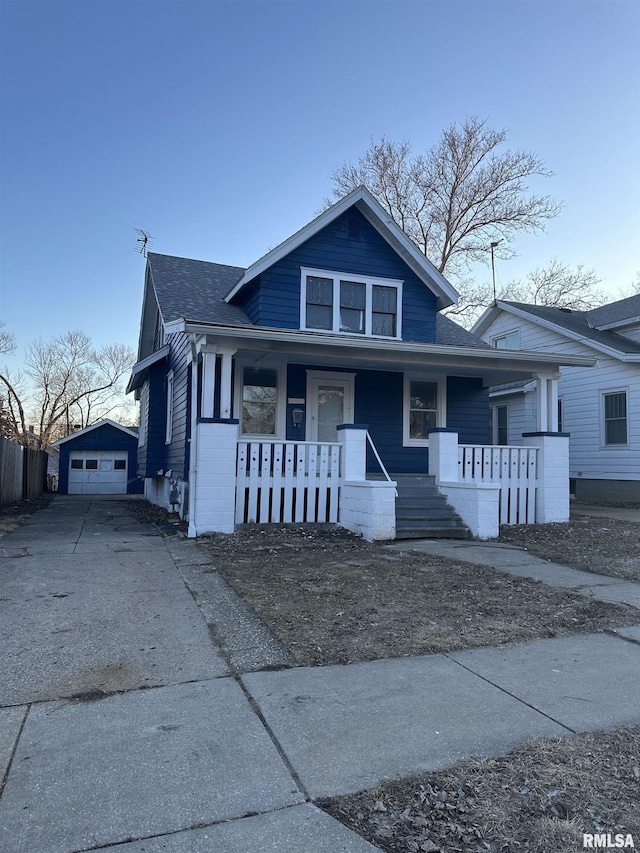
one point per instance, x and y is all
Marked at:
(99, 460)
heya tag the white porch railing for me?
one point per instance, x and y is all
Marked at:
(514, 468)
(280, 482)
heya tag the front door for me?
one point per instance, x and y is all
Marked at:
(329, 403)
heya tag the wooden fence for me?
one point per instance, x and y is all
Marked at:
(23, 472)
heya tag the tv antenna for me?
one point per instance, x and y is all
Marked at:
(494, 245)
(144, 240)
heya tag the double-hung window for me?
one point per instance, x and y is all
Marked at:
(259, 401)
(350, 305)
(615, 418)
(424, 409)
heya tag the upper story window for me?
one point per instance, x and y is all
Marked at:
(350, 305)
(615, 418)
(511, 340)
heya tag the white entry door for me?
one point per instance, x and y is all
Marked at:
(98, 472)
(329, 403)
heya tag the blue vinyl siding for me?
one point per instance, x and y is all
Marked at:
(105, 437)
(179, 360)
(379, 404)
(276, 300)
(468, 409)
(156, 455)
(151, 456)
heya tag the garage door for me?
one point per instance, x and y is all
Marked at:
(98, 472)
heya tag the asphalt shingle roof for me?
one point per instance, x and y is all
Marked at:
(581, 323)
(615, 312)
(451, 334)
(195, 290)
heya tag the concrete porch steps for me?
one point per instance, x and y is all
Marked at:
(423, 513)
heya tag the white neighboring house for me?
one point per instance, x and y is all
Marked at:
(598, 406)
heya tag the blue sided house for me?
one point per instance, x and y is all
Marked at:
(323, 384)
(100, 459)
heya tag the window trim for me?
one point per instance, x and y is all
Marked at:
(168, 431)
(369, 282)
(502, 335)
(441, 415)
(603, 422)
(281, 400)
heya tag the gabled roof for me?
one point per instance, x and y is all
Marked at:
(382, 221)
(103, 422)
(577, 325)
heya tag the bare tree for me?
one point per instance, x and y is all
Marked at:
(458, 197)
(555, 284)
(69, 383)
(7, 340)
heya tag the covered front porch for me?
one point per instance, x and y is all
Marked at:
(298, 428)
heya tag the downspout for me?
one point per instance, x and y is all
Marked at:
(193, 449)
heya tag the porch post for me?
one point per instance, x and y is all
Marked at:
(443, 455)
(226, 395)
(353, 438)
(552, 493)
(547, 402)
(212, 499)
(208, 380)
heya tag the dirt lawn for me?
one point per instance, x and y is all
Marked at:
(602, 545)
(331, 598)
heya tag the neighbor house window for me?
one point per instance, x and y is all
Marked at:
(502, 425)
(169, 422)
(259, 401)
(360, 305)
(423, 409)
(615, 418)
(511, 340)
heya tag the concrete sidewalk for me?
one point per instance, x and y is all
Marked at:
(140, 712)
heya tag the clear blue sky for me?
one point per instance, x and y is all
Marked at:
(216, 126)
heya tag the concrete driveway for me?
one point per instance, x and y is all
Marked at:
(119, 720)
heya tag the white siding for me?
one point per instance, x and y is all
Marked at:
(581, 390)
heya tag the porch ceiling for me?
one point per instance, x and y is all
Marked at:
(494, 367)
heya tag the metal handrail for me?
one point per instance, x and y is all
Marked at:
(380, 462)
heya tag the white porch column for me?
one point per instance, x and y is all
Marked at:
(209, 355)
(547, 402)
(367, 507)
(226, 391)
(212, 498)
(443, 455)
(552, 494)
(353, 438)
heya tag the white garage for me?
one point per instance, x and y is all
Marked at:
(98, 472)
